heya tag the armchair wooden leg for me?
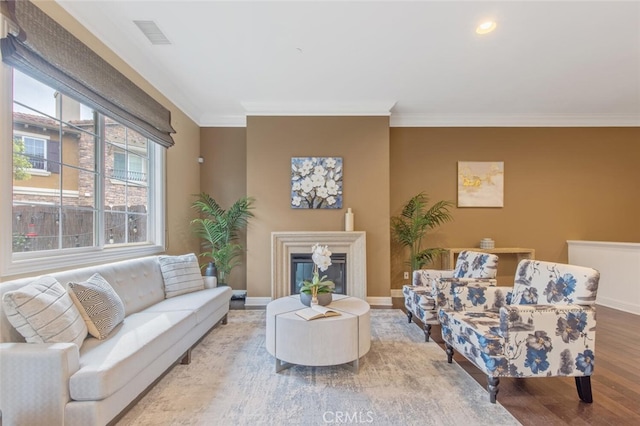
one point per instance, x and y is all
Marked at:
(583, 384)
(427, 332)
(492, 387)
(409, 315)
(449, 353)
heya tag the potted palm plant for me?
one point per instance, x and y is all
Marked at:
(412, 224)
(218, 228)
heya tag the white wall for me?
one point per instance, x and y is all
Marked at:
(619, 266)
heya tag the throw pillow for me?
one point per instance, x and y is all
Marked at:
(181, 274)
(99, 304)
(43, 312)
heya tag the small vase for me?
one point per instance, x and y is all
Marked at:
(323, 299)
(305, 299)
(211, 270)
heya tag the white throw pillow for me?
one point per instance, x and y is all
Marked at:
(181, 274)
(99, 304)
(43, 312)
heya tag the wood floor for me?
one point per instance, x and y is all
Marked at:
(554, 401)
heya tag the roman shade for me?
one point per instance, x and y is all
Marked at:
(44, 50)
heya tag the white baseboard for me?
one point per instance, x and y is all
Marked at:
(257, 301)
(379, 301)
(263, 301)
(396, 292)
(618, 304)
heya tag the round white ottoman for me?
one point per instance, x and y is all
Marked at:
(334, 340)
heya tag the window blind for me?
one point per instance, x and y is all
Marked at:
(43, 49)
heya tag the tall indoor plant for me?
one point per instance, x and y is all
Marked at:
(218, 228)
(412, 224)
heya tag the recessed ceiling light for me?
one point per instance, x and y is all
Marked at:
(486, 27)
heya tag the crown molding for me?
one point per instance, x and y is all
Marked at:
(515, 120)
(438, 120)
(212, 120)
(377, 108)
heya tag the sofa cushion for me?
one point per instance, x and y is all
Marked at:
(108, 365)
(181, 274)
(43, 312)
(203, 303)
(99, 305)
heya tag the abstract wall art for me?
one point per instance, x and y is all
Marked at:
(480, 184)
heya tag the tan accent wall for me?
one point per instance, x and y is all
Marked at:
(363, 144)
(183, 174)
(223, 175)
(560, 184)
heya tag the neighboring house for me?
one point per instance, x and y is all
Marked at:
(41, 139)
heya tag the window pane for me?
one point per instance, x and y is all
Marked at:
(30, 95)
(77, 227)
(115, 226)
(137, 227)
(38, 189)
(34, 227)
(126, 196)
(78, 187)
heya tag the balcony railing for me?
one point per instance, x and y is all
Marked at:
(129, 175)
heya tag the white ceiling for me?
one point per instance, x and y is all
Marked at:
(548, 63)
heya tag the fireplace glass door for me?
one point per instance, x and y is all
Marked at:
(302, 269)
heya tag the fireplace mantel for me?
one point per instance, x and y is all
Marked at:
(353, 243)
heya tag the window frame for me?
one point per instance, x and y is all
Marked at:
(36, 171)
(127, 172)
(23, 263)
(44, 151)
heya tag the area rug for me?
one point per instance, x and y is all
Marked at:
(401, 381)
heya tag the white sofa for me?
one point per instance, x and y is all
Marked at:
(63, 384)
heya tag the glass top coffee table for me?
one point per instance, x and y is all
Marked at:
(342, 339)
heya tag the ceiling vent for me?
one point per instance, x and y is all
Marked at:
(152, 31)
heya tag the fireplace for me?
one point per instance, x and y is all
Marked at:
(352, 243)
(302, 269)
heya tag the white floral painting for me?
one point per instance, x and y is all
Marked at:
(316, 182)
(480, 184)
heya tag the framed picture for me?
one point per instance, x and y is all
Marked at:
(480, 184)
(316, 182)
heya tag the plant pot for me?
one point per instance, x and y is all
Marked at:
(323, 299)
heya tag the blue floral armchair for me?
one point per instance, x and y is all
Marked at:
(544, 326)
(430, 288)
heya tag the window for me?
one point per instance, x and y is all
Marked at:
(34, 150)
(129, 167)
(84, 185)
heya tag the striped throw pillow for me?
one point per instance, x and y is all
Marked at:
(181, 274)
(43, 312)
(99, 304)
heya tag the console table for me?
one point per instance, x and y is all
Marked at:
(448, 257)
